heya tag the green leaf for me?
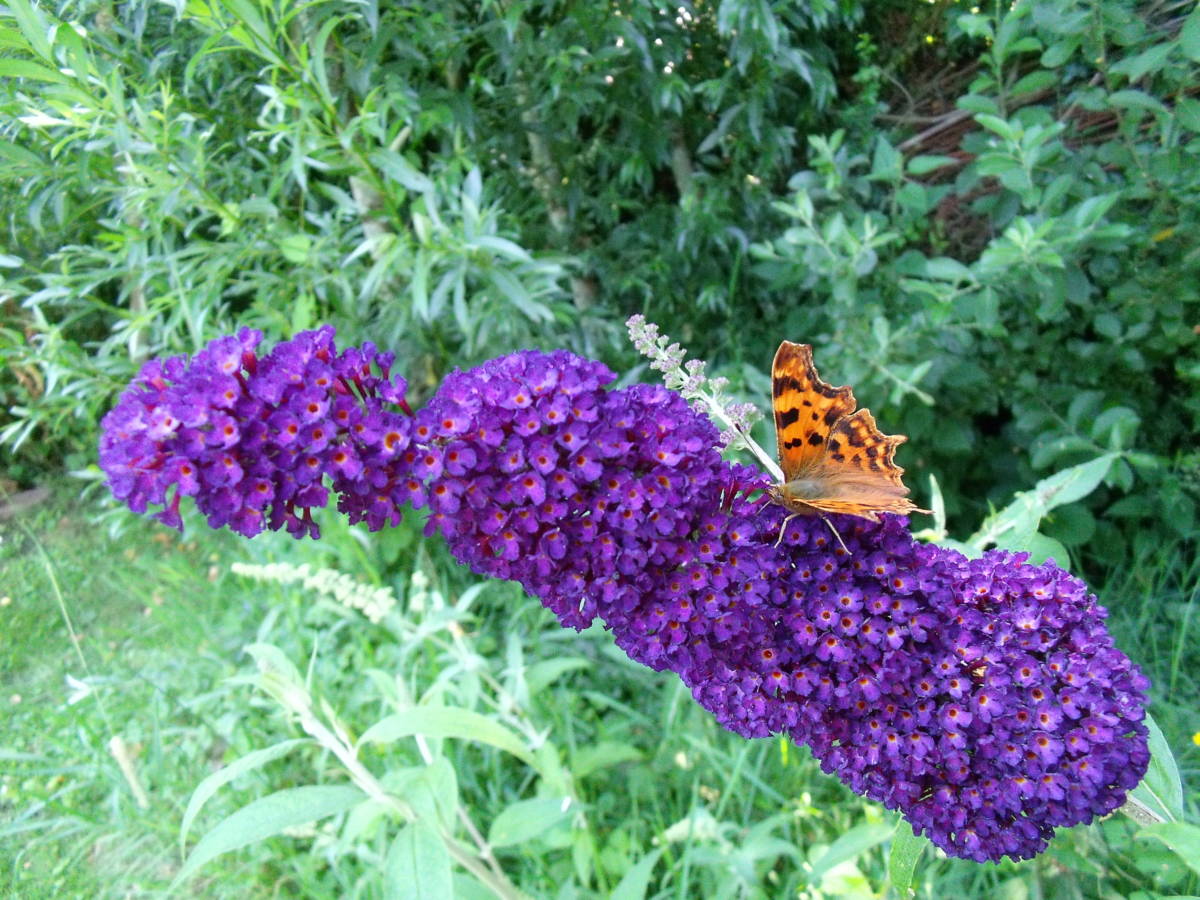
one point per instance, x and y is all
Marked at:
(418, 286)
(518, 296)
(1187, 112)
(36, 30)
(943, 268)
(448, 722)
(504, 247)
(887, 161)
(417, 865)
(399, 169)
(1040, 548)
(1016, 525)
(636, 879)
(1160, 793)
(1182, 837)
(266, 818)
(296, 248)
(592, 757)
(850, 845)
(542, 674)
(24, 68)
(526, 819)
(1038, 80)
(218, 779)
(1059, 53)
(1136, 100)
(1072, 484)
(924, 164)
(999, 126)
(907, 847)
(1137, 66)
(1189, 35)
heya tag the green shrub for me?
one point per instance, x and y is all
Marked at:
(1030, 296)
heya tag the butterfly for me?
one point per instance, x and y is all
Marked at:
(834, 460)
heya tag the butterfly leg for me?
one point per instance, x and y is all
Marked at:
(779, 539)
(835, 534)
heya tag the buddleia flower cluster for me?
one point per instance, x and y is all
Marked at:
(254, 440)
(982, 698)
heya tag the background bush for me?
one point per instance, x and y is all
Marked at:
(990, 234)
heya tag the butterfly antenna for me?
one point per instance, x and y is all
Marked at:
(836, 535)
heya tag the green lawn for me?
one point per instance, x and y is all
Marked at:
(161, 621)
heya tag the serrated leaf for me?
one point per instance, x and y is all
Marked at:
(526, 819)
(296, 248)
(265, 818)
(417, 865)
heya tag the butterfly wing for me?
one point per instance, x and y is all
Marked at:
(834, 460)
(806, 409)
(858, 474)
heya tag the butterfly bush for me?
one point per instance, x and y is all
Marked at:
(253, 439)
(982, 698)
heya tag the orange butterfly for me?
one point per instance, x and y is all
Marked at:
(834, 460)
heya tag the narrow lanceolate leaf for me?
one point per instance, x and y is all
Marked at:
(214, 782)
(636, 879)
(1159, 798)
(526, 819)
(417, 865)
(849, 846)
(907, 847)
(438, 721)
(266, 818)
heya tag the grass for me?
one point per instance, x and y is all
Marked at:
(161, 622)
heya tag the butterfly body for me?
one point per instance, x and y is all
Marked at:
(834, 459)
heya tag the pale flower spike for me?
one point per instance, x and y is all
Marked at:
(704, 394)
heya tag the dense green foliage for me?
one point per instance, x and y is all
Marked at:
(984, 220)
(1015, 280)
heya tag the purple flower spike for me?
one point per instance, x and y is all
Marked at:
(981, 698)
(252, 438)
